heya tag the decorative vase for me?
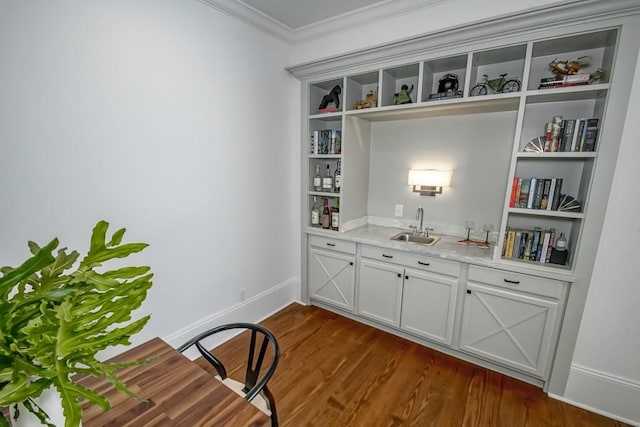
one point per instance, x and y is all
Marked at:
(49, 401)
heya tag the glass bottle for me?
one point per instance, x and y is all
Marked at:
(337, 178)
(561, 243)
(326, 216)
(335, 216)
(317, 180)
(327, 181)
(315, 214)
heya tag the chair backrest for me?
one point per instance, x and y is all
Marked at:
(254, 382)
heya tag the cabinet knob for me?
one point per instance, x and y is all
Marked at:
(406, 277)
(399, 275)
(513, 282)
(469, 291)
(351, 263)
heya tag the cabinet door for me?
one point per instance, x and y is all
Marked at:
(428, 305)
(380, 292)
(508, 327)
(331, 278)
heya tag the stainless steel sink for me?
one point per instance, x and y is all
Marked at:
(416, 238)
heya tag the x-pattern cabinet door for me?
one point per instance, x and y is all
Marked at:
(332, 277)
(508, 327)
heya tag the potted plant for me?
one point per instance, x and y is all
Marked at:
(57, 317)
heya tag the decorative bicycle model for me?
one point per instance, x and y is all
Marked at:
(499, 85)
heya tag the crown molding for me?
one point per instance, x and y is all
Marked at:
(256, 19)
(544, 17)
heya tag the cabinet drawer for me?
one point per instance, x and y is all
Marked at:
(333, 244)
(517, 281)
(450, 268)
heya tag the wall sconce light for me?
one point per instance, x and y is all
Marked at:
(429, 182)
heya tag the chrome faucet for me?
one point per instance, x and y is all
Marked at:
(420, 216)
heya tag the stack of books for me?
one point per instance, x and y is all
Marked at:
(529, 245)
(326, 142)
(566, 135)
(565, 81)
(541, 193)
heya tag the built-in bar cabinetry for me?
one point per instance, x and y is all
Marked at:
(471, 309)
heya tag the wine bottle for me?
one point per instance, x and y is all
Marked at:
(327, 181)
(335, 216)
(337, 178)
(315, 214)
(326, 215)
(317, 180)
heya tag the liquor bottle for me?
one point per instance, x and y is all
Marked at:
(337, 178)
(327, 181)
(317, 180)
(326, 215)
(315, 214)
(335, 216)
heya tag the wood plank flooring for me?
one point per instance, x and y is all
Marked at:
(334, 371)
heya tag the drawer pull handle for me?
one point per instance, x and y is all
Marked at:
(406, 277)
(424, 263)
(399, 275)
(331, 244)
(387, 256)
(513, 282)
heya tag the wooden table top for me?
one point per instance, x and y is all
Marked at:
(177, 391)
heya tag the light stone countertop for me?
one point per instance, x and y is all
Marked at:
(447, 248)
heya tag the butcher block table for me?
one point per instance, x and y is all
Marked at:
(177, 392)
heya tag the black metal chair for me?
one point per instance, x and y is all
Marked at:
(254, 389)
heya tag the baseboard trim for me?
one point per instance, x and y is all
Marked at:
(253, 310)
(603, 393)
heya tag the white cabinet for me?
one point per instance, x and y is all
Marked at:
(515, 327)
(380, 292)
(418, 301)
(428, 305)
(331, 272)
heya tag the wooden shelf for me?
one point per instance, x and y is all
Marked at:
(551, 214)
(560, 155)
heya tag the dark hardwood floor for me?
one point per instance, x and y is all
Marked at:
(334, 371)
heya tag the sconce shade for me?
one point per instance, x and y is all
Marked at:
(429, 182)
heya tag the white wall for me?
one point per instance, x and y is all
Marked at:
(164, 117)
(605, 372)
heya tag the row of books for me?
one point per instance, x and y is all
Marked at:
(565, 81)
(529, 245)
(540, 193)
(566, 136)
(327, 141)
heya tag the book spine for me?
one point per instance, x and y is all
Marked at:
(590, 135)
(552, 240)
(583, 134)
(544, 201)
(545, 247)
(532, 192)
(556, 195)
(552, 193)
(518, 190)
(534, 244)
(527, 248)
(547, 136)
(576, 134)
(556, 127)
(516, 245)
(568, 134)
(514, 190)
(524, 193)
(510, 240)
(538, 193)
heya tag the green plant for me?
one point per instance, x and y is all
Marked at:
(54, 322)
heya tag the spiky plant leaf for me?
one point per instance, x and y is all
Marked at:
(56, 319)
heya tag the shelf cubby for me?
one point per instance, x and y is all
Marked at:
(600, 46)
(359, 86)
(435, 69)
(493, 63)
(394, 78)
(318, 90)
